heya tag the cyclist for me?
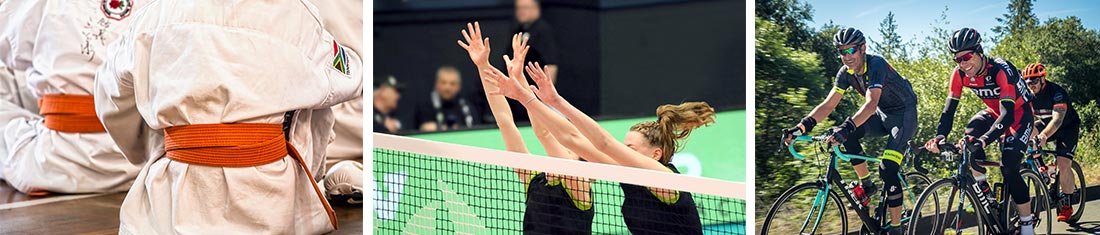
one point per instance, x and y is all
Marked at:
(1058, 122)
(998, 84)
(890, 109)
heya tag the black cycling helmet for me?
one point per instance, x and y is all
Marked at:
(965, 39)
(848, 36)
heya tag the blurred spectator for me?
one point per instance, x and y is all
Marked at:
(544, 50)
(445, 110)
(386, 94)
(540, 35)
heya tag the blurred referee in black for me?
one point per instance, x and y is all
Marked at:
(544, 49)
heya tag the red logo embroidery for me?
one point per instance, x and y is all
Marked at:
(117, 9)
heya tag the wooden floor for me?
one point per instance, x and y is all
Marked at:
(96, 214)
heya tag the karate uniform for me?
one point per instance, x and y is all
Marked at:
(58, 45)
(189, 63)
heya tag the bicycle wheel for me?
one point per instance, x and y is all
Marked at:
(1040, 204)
(943, 208)
(915, 184)
(806, 209)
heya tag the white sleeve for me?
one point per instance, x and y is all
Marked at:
(115, 100)
(18, 30)
(341, 65)
(344, 71)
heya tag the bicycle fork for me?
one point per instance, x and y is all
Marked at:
(820, 201)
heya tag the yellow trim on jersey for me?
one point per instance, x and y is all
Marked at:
(838, 90)
(853, 72)
(892, 156)
(1009, 100)
(668, 201)
(577, 203)
(527, 184)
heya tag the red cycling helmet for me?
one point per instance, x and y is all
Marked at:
(1035, 70)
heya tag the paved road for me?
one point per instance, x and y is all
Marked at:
(1090, 221)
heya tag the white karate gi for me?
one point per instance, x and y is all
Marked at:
(58, 44)
(224, 61)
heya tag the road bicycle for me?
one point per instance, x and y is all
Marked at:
(967, 210)
(1048, 173)
(820, 207)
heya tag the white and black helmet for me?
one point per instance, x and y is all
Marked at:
(848, 36)
(965, 39)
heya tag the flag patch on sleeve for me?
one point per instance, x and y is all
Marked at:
(340, 60)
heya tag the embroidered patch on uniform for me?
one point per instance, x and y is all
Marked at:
(340, 62)
(117, 9)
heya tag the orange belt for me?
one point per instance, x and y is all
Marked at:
(70, 113)
(235, 145)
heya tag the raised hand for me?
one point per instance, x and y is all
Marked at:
(506, 86)
(515, 63)
(546, 90)
(475, 45)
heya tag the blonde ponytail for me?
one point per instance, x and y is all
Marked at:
(674, 123)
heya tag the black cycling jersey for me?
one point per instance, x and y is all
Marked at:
(1051, 97)
(897, 92)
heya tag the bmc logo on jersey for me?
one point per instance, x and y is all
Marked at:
(986, 93)
(1021, 88)
(117, 9)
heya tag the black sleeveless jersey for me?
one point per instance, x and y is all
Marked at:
(645, 213)
(551, 210)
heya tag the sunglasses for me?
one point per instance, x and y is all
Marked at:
(849, 51)
(964, 58)
(1032, 81)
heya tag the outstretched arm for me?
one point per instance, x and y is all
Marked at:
(478, 49)
(562, 130)
(591, 130)
(515, 70)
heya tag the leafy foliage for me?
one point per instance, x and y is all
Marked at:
(794, 72)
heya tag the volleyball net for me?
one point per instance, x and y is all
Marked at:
(428, 187)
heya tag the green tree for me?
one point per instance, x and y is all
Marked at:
(1074, 50)
(783, 75)
(791, 15)
(891, 47)
(1019, 18)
